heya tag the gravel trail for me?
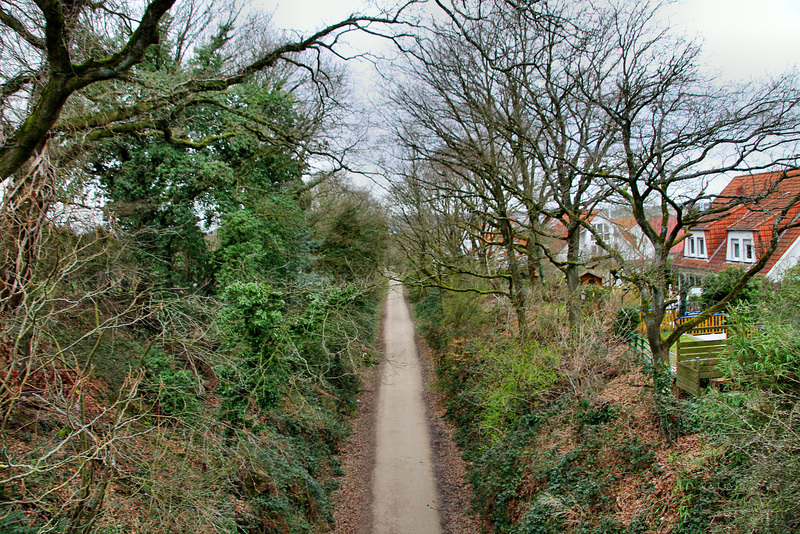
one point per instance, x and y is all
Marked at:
(403, 473)
(403, 487)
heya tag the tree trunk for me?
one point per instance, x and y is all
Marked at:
(571, 273)
(683, 295)
(653, 309)
(22, 219)
(534, 259)
(515, 280)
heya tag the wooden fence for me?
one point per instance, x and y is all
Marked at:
(697, 363)
(667, 324)
(712, 325)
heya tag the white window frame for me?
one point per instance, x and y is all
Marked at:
(604, 229)
(736, 248)
(696, 245)
(741, 247)
(748, 250)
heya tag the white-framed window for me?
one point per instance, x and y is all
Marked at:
(603, 231)
(695, 245)
(741, 246)
(748, 251)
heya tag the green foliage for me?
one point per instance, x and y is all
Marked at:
(766, 360)
(251, 323)
(588, 414)
(764, 349)
(207, 58)
(509, 374)
(267, 243)
(354, 245)
(593, 294)
(154, 189)
(441, 315)
(571, 487)
(16, 523)
(202, 376)
(354, 238)
(266, 161)
(498, 471)
(252, 406)
(755, 422)
(573, 475)
(253, 314)
(639, 456)
(677, 417)
(697, 504)
(174, 389)
(165, 194)
(717, 286)
(511, 401)
(289, 490)
(430, 316)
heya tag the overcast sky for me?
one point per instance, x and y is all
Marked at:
(743, 38)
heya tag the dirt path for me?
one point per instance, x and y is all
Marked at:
(404, 491)
(402, 470)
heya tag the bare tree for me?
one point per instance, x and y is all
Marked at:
(450, 126)
(499, 90)
(447, 242)
(675, 130)
(560, 141)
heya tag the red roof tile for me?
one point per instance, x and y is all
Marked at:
(754, 203)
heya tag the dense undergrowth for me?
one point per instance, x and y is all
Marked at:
(564, 432)
(185, 302)
(131, 404)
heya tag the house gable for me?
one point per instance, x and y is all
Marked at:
(786, 261)
(743, 233)
(623, 234)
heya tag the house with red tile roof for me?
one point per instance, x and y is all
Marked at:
(629, 229)
(738, 234)
(621, 234)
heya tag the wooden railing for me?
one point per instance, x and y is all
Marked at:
(712, 325)
(670, 315)
(696, 362)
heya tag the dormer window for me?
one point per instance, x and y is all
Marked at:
(695, 245)
(741, 246)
